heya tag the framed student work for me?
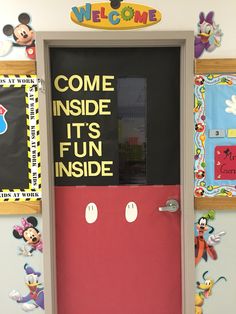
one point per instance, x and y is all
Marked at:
(215, 135)
(19, 139)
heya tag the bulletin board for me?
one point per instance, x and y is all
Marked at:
(215, 134)
(20, 185)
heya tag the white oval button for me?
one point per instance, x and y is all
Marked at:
(91, 213)
(131, 212)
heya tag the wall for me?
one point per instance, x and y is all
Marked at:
(12, 266)
(53, 15)
(222, 298)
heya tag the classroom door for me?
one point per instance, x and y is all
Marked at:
(116, 131)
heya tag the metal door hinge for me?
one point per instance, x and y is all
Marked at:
(41, 85)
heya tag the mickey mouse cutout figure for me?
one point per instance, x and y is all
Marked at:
(30, 234)
(23, 34)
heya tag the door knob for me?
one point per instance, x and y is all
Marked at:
(171, 206)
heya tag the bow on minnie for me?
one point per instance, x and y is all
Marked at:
(25, 225)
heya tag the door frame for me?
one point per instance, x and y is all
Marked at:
(182, 39)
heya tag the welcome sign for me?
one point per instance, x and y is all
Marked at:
(103, 16)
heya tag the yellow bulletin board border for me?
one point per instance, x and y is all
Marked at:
(33, 192)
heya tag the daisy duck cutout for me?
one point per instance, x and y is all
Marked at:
(35, 298)
(209, 35)
(30, 234)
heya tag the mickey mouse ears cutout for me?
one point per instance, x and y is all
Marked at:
(8, 30)
(115, 4)
(23, 18)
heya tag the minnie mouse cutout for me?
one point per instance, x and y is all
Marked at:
(30, 234)
(23, 34)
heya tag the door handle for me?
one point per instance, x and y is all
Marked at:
(171, 206)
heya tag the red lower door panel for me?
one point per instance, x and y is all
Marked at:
(113, 266)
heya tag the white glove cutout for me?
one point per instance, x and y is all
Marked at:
(27, 307)
(215, 238)
(15, 295)
(24, 252)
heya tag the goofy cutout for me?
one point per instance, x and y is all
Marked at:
(205, 240)
(35, 298)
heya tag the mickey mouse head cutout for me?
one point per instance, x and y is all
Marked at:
(23, 34)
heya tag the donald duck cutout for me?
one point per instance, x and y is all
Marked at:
(35, 298)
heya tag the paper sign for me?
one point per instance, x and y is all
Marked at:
(125, 16)
(216, 133)
(232, 133)
(85, 123)
(225, 163)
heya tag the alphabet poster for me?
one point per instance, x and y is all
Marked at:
(215, 135)
(19, 139)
